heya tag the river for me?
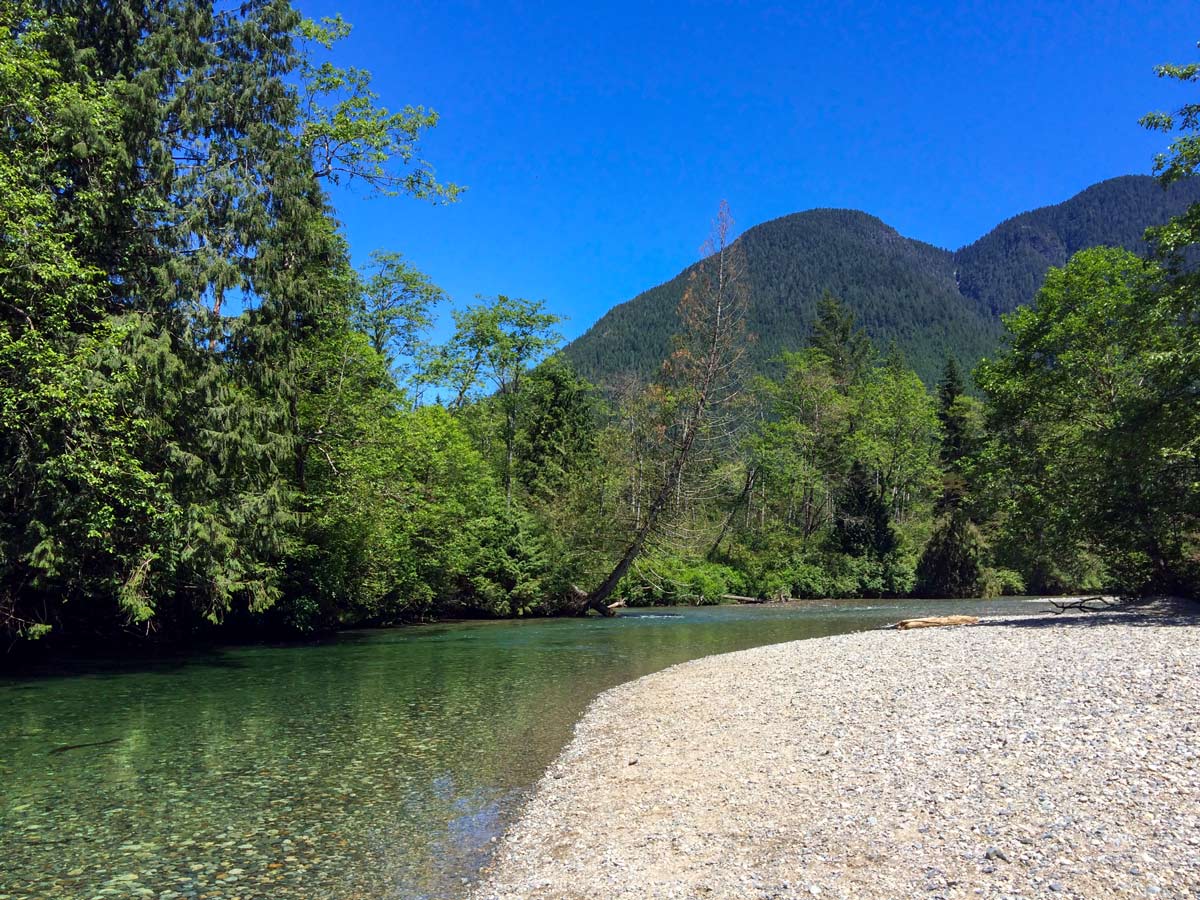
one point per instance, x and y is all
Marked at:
(379, 765)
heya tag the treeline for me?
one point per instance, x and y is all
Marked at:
(209, 419)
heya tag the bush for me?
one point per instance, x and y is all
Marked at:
(1001, 583)
(663, 580)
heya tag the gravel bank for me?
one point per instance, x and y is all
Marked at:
(1032, 757)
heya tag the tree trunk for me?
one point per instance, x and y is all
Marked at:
(711, 312)
(751, 474)
(602, 593)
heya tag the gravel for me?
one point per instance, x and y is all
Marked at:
(1031, 757)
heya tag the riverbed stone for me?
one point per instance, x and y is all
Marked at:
(876, 764)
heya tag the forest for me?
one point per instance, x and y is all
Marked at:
(212, 423)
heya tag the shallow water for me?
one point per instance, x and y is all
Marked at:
(382, 764)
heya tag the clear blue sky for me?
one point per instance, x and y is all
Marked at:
(597, 140)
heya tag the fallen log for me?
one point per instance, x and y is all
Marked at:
(741, 599)
(617, 604)
(935, 622)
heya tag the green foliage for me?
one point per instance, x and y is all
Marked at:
(555, 439)
(668, 580)
(861, 526)
(1001, 583)
(1181, 159)
(836, 334)
(1094, 419)
(845, 470)
(951, 564)
(350, 137)
(395, 307)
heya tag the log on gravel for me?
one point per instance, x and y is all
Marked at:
(935, 622)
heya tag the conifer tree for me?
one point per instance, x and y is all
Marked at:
(950, 565)
(951, 416)
(836, 333)
(862, 526)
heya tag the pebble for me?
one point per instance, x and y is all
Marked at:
(874, 763)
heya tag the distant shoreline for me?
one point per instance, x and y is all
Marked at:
(1035, 755)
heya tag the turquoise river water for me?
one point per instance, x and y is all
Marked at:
(380, 765)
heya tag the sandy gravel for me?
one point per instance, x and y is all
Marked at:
(1038, 757)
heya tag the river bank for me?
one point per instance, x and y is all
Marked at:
(1026, 756)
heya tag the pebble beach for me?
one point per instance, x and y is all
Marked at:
(1040, 756)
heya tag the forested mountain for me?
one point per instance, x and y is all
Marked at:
(929, 301)
(1004, 268)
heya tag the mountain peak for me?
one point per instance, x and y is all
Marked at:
(930, 301)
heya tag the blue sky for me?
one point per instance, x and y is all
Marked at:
(597, 140)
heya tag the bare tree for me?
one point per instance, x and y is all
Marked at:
(702, 376)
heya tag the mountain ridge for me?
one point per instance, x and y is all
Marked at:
(929, 300)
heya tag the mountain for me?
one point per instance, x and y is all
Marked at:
(930, 301)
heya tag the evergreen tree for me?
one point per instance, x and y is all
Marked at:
(953, 416)
(837, 334)
(950, 565)
(862, 526)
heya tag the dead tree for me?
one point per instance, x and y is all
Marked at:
(1081, 604)
(702, 376)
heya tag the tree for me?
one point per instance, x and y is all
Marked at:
(703, 375)
(556, 431)
(395, 307)
(1091, 419)
(1180, 370)
(894, 435)
(350, 137)
(862, 526)
(1182, 158)
(836, 334)
(950, 389)
(950, 565)
(800, 449)
(493, 346)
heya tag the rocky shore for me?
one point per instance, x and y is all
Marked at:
(1047, 756)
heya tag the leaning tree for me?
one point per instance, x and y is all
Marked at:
(701, 378)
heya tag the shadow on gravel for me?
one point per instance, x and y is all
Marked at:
(1155, 613)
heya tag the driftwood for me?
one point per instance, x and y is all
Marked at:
(776, 598)
(935, 622)
(617, 604)
(1082, 604)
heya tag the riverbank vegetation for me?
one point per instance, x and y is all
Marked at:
(209, 418)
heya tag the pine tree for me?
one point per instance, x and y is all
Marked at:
(950, 414)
